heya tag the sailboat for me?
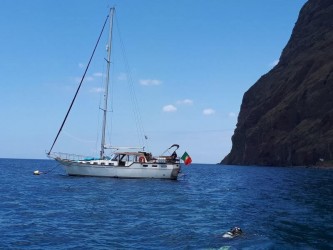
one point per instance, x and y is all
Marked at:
(124, 162)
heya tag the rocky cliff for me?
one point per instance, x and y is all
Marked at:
(286, 117)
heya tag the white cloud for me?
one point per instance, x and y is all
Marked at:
(89, 78)
(81, 65)
(169, 108)
(150, 82)
(231, 114)
(98, 74)
(185, 101)
(97, 90)
(122, 77)
(208, 111)
(274, 63)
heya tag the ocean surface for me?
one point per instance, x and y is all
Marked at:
(277, 208)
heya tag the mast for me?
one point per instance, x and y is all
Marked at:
(107, 80)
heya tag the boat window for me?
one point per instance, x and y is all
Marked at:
(131, 157)
(122, 157)
(115, 157)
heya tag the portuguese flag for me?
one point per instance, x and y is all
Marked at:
(186, 158)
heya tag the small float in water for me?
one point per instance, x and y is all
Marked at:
(37, 172)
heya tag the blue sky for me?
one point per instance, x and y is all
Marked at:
(190, 64)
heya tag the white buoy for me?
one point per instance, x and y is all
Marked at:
(36, 172)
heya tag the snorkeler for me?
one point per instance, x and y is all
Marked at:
(233, 232)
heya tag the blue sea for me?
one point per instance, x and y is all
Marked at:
(276, 207)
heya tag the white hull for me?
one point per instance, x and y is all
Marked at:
(108, 168)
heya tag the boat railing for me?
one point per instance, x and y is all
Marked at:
(71, 157)
(123, 148)
(168, 159)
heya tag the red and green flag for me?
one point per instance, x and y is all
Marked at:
(186, 158)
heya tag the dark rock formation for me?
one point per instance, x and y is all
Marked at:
(286, 117)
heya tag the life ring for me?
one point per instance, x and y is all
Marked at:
(142, 159)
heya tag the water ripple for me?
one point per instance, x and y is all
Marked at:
(277, 208)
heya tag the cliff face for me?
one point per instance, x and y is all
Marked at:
(286, 117)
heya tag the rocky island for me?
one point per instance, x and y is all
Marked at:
(286, 117)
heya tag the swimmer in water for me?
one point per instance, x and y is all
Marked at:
(233, 232)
